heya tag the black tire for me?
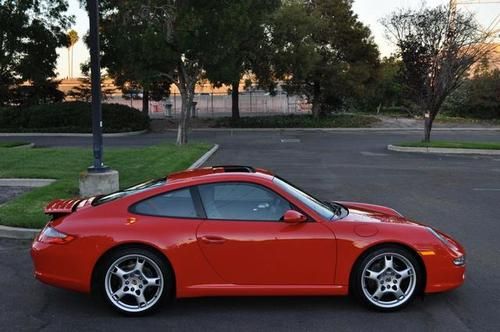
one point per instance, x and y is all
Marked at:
(134, 274)
(384, 288)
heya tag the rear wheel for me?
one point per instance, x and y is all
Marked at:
(387, 279)
(135, 281)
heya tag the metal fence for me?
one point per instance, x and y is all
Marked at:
(219, 105)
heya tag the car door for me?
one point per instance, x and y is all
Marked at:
(245, 241)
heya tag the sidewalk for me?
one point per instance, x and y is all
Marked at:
(406, 123)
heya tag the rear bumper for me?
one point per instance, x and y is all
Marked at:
(60, 266)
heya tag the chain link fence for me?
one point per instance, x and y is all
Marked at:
(210, 105)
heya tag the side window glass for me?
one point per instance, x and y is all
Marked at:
(242, 201)
(177, 203)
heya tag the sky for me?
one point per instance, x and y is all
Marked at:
(369, 12)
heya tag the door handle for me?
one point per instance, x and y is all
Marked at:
(213, 239)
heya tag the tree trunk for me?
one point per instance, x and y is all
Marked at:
(187, 78)
(186, 88)
(69, 64)
(316, 105)
(187, 103)
(235, 95)
(145, 101)
(428, 120)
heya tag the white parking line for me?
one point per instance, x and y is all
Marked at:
(486, 189)
(373, 154)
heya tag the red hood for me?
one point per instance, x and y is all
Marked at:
(66, 206)
(373, 213)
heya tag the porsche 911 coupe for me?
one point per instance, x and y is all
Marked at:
(239, 231)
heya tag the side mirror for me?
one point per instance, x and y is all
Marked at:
(294, 217)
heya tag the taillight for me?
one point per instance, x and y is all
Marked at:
(53, 236)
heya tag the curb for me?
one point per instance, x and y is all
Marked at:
(30, 233)
(443, 150)
(205, 157)
(8, 232)
(129, 133)
(35, 183)
(491, 129)
(135, 133)
(25, 146)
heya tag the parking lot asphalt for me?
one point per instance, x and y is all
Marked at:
(457, 194)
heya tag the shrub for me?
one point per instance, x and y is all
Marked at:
(71, 117)
(298, 121)
(479, 97)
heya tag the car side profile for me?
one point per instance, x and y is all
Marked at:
(237, 231)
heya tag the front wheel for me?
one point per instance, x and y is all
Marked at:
(387, 279)
(135, 281)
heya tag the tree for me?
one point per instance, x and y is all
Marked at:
(437, 46)
(131, 53)
(30, 32)
(388, 90)
(322, 51)
(169, 40)
(479, 95)
(243, 29)
(72, 39)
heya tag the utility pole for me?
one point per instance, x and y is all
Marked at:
(491, 29)
(453, 15)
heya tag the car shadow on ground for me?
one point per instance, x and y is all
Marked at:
(93, 305)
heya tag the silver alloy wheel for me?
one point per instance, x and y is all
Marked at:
(388, 280)
(134, 283)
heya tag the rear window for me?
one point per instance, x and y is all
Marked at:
(178, 203)
(129, 191)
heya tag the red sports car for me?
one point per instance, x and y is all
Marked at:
(236, 231)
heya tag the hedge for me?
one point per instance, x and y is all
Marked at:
(298, 121)
(71, 117)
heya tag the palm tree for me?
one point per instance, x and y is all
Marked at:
(72, 39)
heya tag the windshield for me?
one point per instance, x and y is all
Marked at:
(129, 191)
(305, 198)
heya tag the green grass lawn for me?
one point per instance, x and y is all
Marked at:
(456, 145)
(12, 144)
(65, 164)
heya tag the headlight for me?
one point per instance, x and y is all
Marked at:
(439, 236)
(459, 261)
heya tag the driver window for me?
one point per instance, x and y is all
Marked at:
(242, 201)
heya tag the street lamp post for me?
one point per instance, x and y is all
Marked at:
(98, 165)
(98, 179)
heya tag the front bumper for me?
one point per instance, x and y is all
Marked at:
(442, 273)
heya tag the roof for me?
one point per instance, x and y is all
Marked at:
(212, 170)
